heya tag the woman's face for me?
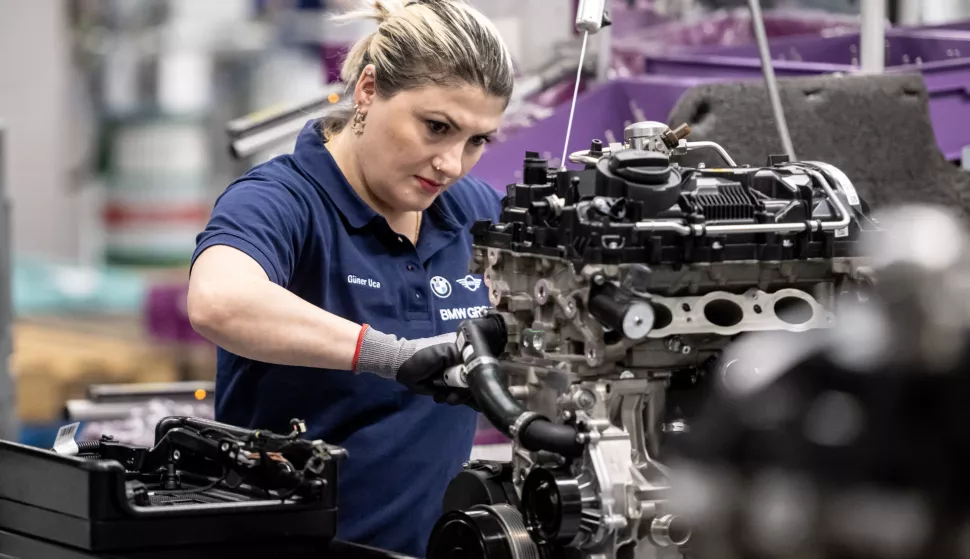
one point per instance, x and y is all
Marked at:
(407, 136)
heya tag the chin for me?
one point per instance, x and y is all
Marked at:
(421, 200)
(420, 206)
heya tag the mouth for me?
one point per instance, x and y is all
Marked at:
(429, 185)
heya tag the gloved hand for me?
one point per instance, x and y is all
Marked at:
(416, 364)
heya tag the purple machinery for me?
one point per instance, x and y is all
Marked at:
(942, 56)
(602, 112)
(709, 51)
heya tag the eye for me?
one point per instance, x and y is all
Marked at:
(437, 127)
(481, 140)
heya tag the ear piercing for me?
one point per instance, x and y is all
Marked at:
(357, 124)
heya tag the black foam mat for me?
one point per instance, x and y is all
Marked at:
(876, 129)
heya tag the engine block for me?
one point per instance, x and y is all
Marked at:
(619, 286)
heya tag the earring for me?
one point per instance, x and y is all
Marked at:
(358, 123)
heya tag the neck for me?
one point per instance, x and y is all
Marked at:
(341, 150)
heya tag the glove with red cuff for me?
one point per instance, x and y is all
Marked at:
(416, 364)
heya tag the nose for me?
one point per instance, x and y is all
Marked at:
(451, 164)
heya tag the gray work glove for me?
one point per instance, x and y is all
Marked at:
(417, 364)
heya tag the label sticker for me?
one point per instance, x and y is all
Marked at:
(64, 443)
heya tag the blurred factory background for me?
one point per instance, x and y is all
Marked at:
(113, 147)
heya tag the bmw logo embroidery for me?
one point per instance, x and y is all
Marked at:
(441, 287)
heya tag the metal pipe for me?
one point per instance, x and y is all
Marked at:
(716, 147)
(844, 215)
(261, 121)
(758, 22)
(583, 156)
(264, 129)
(701, 229)
(266, 138)
(664, 226)
(146, 390)
(872, 36)
(86, 410)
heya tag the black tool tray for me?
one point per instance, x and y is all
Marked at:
(88, 504)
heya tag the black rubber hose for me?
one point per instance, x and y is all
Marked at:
(541, 434)
(489, 336)
(487, 383)
(198, 424)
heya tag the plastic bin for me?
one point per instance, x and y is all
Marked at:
(601, 113)
(956, 26)
(942, 56)
(903, 47)
(720, 28)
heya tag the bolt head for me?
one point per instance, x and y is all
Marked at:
(585, 399)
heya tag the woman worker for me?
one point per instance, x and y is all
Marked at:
(334, 278)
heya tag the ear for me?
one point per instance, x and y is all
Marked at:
(366, 88)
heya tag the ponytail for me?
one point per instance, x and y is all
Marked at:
(419, 43)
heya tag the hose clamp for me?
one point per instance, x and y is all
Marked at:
(479, 361)
(521, 422)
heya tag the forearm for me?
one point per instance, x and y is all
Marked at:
(260, 320)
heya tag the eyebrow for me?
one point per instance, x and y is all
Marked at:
(453, 124)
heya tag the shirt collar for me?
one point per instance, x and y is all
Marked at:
(313, 157)
(315, 160)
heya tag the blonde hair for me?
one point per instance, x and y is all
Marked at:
(424, 42)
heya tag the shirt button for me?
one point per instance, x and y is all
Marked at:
(400, 239)
(417, 294)
(410, 267)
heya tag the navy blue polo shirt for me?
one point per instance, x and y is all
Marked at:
(299, 218)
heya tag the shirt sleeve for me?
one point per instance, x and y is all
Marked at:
(262, 218)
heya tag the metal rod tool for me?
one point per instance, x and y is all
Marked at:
(758, 22)
(591, 16)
